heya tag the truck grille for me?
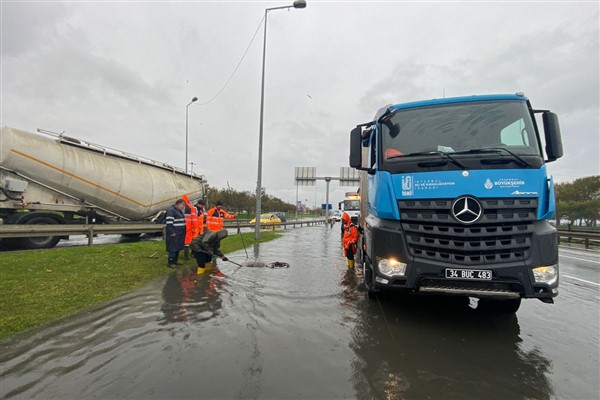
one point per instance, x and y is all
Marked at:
(502, 235)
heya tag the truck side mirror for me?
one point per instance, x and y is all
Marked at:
(356, 148)
(554, 148)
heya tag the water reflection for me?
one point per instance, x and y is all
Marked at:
(308, 331)
(352, 292)
(188, 297)
(437, 348)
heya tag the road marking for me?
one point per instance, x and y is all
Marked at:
(582, 280)
(580, 259)
(577, 250)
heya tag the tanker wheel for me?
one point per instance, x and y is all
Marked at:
(44, 242)
(131, 237)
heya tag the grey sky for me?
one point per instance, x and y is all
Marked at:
(121, 73)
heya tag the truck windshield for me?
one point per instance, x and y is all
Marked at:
(351, 205)
(459, 128)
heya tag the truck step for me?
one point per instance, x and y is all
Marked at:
(497, 293)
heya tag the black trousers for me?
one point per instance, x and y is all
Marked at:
(202, 258)
(350, 252)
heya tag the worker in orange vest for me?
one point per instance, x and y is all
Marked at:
(191, 225)
(350, 239)
(215, 217)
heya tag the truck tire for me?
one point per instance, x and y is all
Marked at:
(33, 243)
(501, 306)
(369, 280)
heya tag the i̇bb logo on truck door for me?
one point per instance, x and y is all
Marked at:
(467, 210)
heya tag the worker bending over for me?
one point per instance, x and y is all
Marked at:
(204, 246)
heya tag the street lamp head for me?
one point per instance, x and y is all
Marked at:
(299, 4)
(194, 99)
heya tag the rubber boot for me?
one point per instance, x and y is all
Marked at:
(171, 263)
(350, 263)
(199, 270)
(186, 253)
(208, 266)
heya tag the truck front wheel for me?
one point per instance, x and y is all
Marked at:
(369, 277)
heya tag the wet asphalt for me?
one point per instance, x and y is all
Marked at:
(309, 331)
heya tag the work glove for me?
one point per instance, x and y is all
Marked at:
(224, 258)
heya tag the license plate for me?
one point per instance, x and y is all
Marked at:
(474, 274)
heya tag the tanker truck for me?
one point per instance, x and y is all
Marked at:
(50, 178)
(456, 199)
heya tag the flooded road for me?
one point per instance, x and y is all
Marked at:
(309, 331)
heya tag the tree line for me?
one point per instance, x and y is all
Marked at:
(579, 201)
(245, 202)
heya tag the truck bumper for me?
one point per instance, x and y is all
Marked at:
(384, 239)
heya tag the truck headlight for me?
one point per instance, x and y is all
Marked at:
(391, 267)
(546, 274)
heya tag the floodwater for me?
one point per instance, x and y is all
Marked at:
(303, 332)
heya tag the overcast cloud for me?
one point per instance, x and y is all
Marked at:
(120, 74)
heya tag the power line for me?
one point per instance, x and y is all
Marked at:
(237, 66)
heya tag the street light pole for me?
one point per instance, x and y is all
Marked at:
(186, 133)
(297, 4)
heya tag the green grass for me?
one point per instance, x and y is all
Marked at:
(37, 287)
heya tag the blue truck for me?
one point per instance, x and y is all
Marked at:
(456, 199)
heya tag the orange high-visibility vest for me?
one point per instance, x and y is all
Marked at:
(215, 218)
(350, 237)
(191, 221)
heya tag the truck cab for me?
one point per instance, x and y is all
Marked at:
(455, 199)
(351, 206)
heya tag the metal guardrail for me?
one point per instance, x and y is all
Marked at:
(19, 231)
(587, 236)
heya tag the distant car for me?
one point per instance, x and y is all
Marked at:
(267, 219)
(280, 214)
(335, 216)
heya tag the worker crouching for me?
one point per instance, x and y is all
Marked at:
(350, 238)
(204, 246)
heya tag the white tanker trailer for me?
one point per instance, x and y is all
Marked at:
(49, 178)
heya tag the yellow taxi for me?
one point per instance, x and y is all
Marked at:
(267, 219)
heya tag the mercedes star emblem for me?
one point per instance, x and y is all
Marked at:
(466, 210)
